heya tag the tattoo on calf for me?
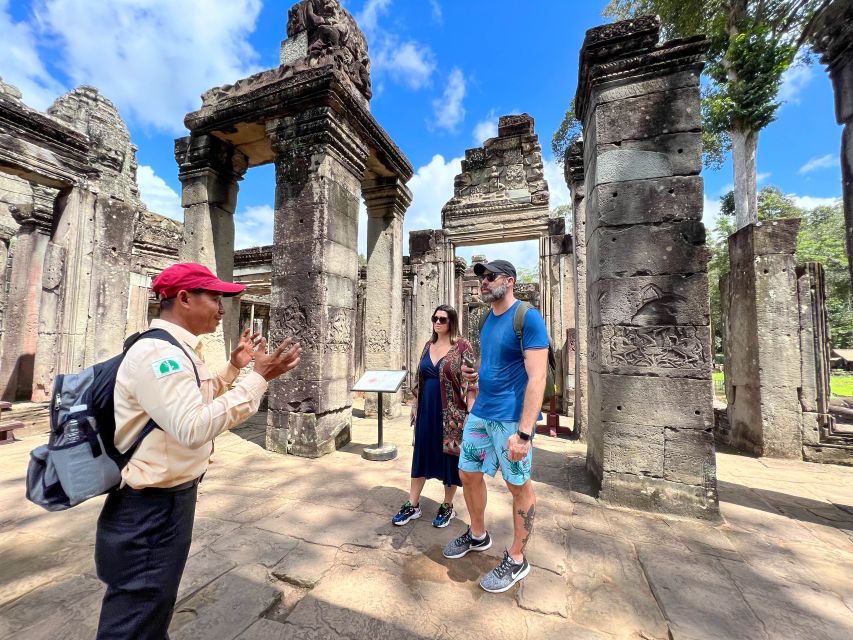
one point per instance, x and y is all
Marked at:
(528, 518)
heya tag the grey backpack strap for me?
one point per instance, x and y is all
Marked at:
(518, 322)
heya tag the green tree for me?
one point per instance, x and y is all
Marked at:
(753, 42)
(564, 211)
(528, 275)
(569, 131)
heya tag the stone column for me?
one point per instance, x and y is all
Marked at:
(387, 200)
(459, 266)
(428, 251)
(209, 170)
(574, 172)
(834, 33)
(762, 346)
(20, 341)
(319, 171)
(558, 309)
(650, 395)
(6, 235)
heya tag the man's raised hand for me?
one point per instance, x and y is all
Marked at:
(280, 361)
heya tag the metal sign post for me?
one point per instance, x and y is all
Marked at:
(379, 382)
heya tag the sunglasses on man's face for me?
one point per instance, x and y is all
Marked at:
(491, 277)
(439, 319)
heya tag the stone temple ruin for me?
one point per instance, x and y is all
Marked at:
(624, 291)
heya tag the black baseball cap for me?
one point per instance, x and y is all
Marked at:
(496, 266)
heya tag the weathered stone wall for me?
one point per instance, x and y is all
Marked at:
(650, 440)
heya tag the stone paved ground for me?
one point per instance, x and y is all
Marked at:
(292, 548)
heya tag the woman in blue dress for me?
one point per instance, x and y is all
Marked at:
(442, 401)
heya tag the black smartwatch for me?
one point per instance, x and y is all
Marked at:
(524, 436)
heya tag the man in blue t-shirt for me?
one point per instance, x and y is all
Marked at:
(502, 422)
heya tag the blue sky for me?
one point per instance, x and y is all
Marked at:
(443, 71)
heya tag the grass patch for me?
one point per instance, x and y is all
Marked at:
(842, 384)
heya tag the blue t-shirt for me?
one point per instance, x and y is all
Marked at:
(503, 378)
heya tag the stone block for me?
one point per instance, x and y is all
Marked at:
(629, 164)
(311, 396)
(306, 564)
(647, 116)
(680, 299)
(672, 402)
(312, 435)
(683, 150)
(317, 366)
(646, 201)
(666, 351)
(646, 250)
(656, 494)
(762, 238)
(604, 93)
(220, 610)
(689, 457)
(633, 448)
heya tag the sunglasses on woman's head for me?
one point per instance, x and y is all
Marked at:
(491, 277)
(439, 319)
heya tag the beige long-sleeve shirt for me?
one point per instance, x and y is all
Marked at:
(156, 380)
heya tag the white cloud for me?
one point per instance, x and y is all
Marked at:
(794, 80)
(761, 177)
(828, 161)
(254, 227)
(158, 196)
(409, 63)
(557, 187)
(812, 202)
(711, 212)
(22, 65)
(486, 128)
(522, 254)
(152, 58)
(449, 110)
(435, 5)
(368, 17)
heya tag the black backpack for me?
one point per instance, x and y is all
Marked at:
(518, 326)
(80, 460)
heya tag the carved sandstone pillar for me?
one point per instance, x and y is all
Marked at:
(319, 171)
(387, 200)
(209, 170)
(428, 255)
(21, 329)
(762, 340)
(557, 304)
(574, 172)
(650, 395)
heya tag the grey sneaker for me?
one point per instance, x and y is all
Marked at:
(506, 574)
(465, 543)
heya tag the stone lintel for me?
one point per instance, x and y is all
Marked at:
(253, 256)
(627, 51)
(316, 131)
(764, 238)
(424, 245)
(294, 94)
(199, 154)
(385, 197)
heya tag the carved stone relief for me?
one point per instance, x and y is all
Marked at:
(651, 347)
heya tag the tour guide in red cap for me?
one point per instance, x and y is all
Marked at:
(145, 528)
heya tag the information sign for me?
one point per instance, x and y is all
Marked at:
(381, 381)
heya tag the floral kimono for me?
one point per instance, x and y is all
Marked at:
(454, 389)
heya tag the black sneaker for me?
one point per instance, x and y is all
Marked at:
(506, 574)
(446, 513)
(465, 543)
(407, 512)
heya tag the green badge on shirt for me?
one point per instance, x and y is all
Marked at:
(167, 367)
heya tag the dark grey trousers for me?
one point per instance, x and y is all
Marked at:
(141, 547)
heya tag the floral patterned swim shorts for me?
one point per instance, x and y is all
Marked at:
(484, 449)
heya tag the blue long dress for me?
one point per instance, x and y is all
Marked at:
(429, 459)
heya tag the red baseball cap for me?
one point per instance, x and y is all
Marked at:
(187, 276)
